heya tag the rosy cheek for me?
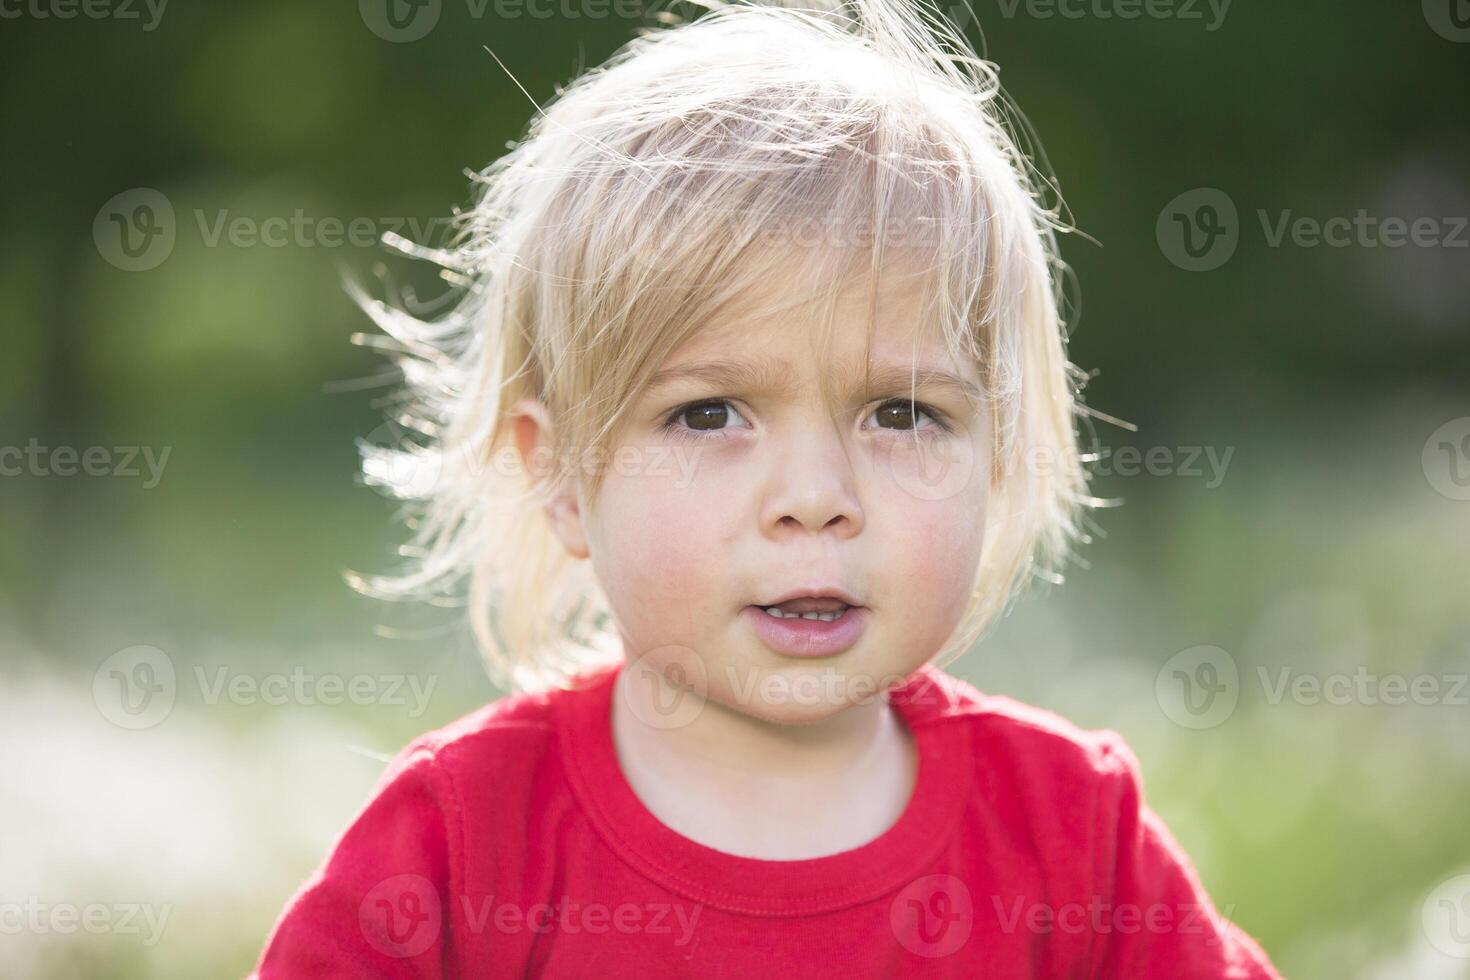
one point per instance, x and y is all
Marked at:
(660, 546)
(932, 559)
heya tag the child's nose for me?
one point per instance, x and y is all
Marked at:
(811, 484)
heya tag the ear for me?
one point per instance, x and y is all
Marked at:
(535, 441)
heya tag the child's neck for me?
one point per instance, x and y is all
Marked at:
(779, 792)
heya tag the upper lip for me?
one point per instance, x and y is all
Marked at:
(814, 592)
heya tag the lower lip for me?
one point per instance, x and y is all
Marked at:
(797, 637)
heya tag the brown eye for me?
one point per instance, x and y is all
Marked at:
(897, 415)
(707, 417)
(904, 415)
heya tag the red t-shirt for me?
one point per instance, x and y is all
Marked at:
(509, 844)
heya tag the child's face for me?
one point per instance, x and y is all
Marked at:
(777, 494)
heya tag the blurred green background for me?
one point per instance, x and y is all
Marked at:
(1331, 382)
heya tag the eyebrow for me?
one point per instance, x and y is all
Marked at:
(769, 375)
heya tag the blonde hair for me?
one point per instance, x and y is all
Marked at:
(646, 197)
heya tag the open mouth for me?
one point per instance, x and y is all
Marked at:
(827, 616)
(808, 627)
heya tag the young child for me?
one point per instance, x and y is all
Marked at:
(756, 413)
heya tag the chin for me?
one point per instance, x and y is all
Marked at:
(796, 691)
(792, 714)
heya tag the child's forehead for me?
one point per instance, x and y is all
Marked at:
(795, 298)
(788, 331)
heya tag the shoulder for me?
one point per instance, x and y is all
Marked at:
(419, 836)
(1045, 787)
(1044, 767)
(474, 777)
(513, 732)
(1000, 723)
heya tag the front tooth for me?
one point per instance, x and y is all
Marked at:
(824, 617)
